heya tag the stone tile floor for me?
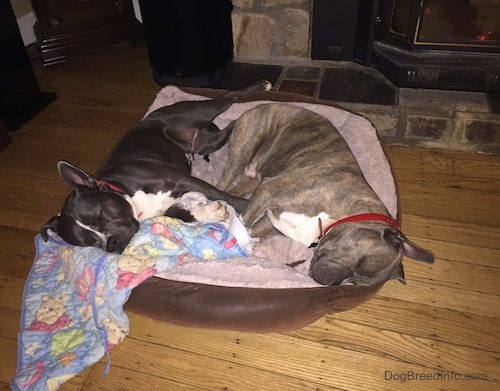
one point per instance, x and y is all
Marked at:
(468, 121)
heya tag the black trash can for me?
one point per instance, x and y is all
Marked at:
(190, 42)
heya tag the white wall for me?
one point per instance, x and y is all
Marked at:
(26, 24)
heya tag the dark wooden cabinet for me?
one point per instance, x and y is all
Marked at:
(64, 25)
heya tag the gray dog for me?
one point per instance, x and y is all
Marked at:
(303, 181)
(146, 174)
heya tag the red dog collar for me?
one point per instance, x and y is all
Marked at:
(360, 218)
(110, 185)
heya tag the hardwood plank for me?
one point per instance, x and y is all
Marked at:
(200, 370)
(461, 252)
(8, 360)
(447, 203)
(46, 169)
(9, 326)
(403, 347)
(296, 358)
(11, 292)
(451, 231)
(24, 199)
(31, 221)
(438, 179)
(483, 168)
(419, 320)
(129, 379)
(17, 252)
(420, 160)
(440, 296)
(41, 188)
(113, 72)
(450, 274)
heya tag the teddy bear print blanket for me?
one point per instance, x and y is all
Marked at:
(73, 314)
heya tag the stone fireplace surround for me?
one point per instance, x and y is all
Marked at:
(278, 32)
(275, 35)
(271, 29)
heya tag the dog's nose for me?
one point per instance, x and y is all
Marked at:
(114, 245)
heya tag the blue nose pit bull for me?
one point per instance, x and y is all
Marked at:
(303, 181)
(146, 174)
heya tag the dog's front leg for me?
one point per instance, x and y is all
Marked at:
(213, 211)
(211, 192)
(202, 212)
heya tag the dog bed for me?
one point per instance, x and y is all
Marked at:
(260, 293)
(197, 276)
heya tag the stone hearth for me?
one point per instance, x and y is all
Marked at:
(276, 33)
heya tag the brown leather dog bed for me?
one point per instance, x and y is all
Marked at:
(197, 282)
(258, 310)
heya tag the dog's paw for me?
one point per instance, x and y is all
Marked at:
(265, 85)
(213, 211)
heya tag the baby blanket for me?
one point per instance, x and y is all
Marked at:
(73, 301)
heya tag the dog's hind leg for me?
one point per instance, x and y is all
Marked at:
(189, 123)
(262, 228)
(207, 110)
(235, 95)
(202, 112)
(218, 106)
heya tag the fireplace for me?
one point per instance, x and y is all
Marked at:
(442, 44)
(463, 25)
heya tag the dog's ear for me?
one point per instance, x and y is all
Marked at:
(52, 225)
(410, 249)
(76, 177)
(399, 274)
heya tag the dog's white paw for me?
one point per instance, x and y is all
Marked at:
(213, 211)
(267, 85)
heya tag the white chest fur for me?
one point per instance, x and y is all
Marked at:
(297, 226)
(146, 205)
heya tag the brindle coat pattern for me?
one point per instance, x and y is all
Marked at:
(289, 159)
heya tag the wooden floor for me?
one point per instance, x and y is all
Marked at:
(447, 318)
